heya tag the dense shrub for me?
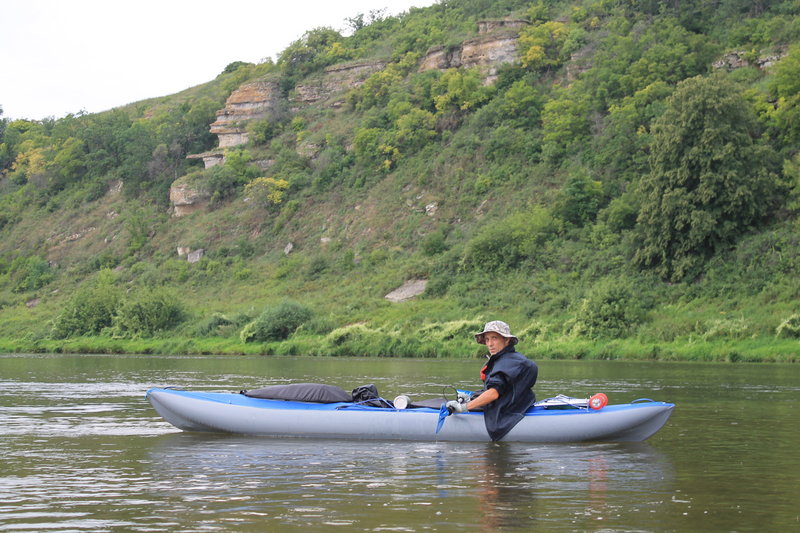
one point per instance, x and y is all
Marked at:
(374, 149)
(264, 130)
(266, 192)
(146, 313)
(541, 45)
(276, 323)
(611, 310)
(506, 243)
(435, 242)
(460, 90)
(580, 199)
(30, 273)
(90, 310)
(789, 328)
(621, 212)
(224, 181)
(221, 324)
(725, 328)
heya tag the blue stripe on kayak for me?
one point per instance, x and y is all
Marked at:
(260, 403)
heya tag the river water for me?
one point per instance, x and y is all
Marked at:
(82, 450)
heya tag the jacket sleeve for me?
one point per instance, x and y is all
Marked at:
(502, 376)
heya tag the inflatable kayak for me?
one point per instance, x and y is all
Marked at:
(548, 421)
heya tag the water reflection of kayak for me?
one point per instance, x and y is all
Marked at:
(240, 414)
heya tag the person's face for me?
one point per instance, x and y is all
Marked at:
(495, 342)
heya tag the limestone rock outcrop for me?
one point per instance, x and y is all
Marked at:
(252, 101)
(335, 80)
(185, 198)
(408, 290)
(495, 45)
(210, 159)
(740, 59)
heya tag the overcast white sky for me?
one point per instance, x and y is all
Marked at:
(64, 56)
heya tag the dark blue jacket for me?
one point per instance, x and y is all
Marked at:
(513, 375)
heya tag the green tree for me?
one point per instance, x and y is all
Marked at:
(69, 163)
(316, 49)
(415, 129)
(147, 312)
(30, 273)
(785, 85)
(5, 160)
(507, 243)
(611, 309)
(541, 45)
(521, 105)
(90, 310)
(277, 323)
(460, 90)
(791, 173)
(565, 121)
(709, 178)
(374, 149)
(580, 199)
(621, 148)
(266, 192)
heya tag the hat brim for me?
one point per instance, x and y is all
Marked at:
(480, 340)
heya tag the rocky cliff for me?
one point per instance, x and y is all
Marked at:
(186, 198)
(335, 81)
(251, 101)
(495, 45)
(740, 59)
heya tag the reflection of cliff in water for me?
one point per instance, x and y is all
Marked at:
(499, 486)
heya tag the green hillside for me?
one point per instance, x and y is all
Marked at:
(627, 185)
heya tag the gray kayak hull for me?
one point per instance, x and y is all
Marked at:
(239, 414)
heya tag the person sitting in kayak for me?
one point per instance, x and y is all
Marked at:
(508, 379)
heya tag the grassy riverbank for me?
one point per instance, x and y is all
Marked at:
(749, 351)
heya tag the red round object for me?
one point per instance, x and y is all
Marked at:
(598, 401)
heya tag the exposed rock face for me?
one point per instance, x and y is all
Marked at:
(186, 199)
(579, 62)
(336, 80)
(738, 59)
(210, 159)
(195, 255)
(495, 45)
(251, 101)
(408, 290)
(488, 26)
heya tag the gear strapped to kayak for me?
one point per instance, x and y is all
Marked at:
(319, 393)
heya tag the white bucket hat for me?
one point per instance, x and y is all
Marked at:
(499, 327)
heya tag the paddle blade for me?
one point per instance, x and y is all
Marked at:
(443, 413)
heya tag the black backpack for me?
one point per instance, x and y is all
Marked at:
(368, 395)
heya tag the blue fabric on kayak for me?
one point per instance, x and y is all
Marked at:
(242, 400)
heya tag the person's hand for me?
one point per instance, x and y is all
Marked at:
(455, 407)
